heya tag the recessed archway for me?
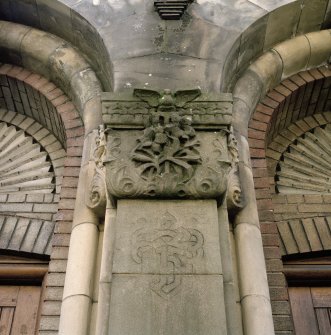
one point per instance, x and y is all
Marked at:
(38, 221)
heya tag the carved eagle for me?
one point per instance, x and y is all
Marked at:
(166, 99)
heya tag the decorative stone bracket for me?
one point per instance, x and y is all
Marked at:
(166, 145)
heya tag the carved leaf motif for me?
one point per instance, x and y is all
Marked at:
(166, 148)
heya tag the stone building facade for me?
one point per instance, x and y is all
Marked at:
(165, 176)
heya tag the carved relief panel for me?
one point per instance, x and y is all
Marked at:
(167, 270)
(166, 145)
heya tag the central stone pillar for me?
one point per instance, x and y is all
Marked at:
(167, 162)
(167, 273)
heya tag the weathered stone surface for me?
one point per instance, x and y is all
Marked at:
(127, 110)
(197, 309)
(252, 41)
(225, 13)
(167, 269)
(312, 15)
(294, 54)
(319, 47)
(55, 17)
(141, 225)
(177, 70)
(277, 30)
(47, 44)
(270, 5)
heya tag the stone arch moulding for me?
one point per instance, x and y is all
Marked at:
(302, 210)
(56, 60)
(285, 59)
(67, 20)
(292, 222)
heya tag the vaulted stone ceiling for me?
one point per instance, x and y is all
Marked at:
(129, 45)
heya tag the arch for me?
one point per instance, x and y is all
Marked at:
(57, 61)
(69, 23)
(303, 217)
(264, 74)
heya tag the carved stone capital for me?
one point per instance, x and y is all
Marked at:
(166, 145)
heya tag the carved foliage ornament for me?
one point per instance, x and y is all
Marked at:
(169, 144)
(169, 158)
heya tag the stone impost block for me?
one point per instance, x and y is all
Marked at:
(137, 168)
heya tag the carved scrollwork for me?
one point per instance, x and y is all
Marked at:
(172, 249)
(96, 197)
(234, 194)
(169, 147)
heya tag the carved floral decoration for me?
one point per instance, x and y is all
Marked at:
(167, 148)
(169, 158)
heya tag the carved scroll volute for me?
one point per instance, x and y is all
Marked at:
(96, 197)
(234, 194)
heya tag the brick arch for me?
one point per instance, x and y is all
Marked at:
(296, 105)
(73, 135)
